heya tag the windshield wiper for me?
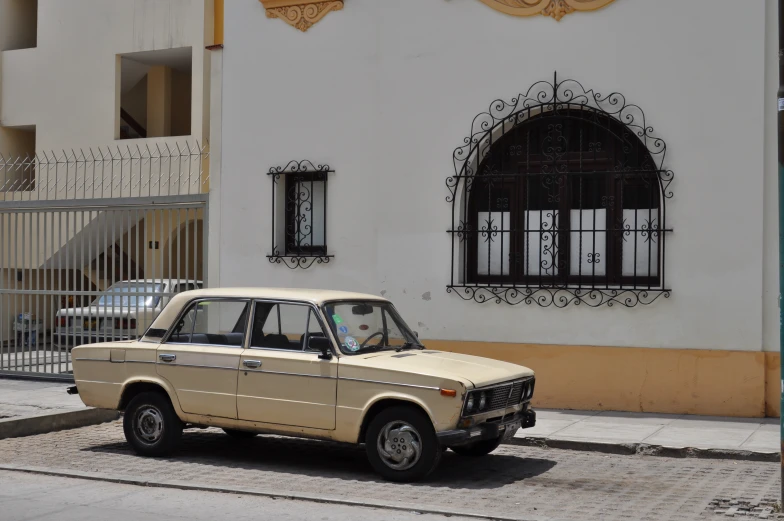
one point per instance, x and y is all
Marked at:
(409, 345)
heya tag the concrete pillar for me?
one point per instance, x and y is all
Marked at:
(159, 80)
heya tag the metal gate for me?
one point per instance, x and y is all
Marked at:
(76, 270)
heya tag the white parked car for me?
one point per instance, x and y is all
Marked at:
(123, 312)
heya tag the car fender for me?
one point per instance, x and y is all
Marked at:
(393, 395)
(155, 380)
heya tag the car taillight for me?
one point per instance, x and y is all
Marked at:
(63, 321)
(125, 323)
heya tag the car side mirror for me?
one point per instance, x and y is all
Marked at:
(320, 343)
(416, 334)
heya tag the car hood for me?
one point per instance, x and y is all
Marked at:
(476, 370)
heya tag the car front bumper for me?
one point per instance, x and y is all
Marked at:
(488, 431)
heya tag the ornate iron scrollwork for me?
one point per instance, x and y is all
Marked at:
(583, 184)
(300, 191)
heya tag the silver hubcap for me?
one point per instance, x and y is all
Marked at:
(148, 424)
(399, 445)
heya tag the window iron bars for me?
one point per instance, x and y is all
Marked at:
(149, 170)
(562, 193)
(299, 214)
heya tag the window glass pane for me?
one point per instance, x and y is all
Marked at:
(543, 191)
(540, 255)
(588, 243)
(220, 322)
(314, 328)
(640, 246)
(280, 326)
(588, 191)
(493, 246)
(310, 214)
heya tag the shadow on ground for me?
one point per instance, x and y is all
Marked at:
(336, 461)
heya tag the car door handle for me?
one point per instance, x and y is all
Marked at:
(167, 358)
(252, 363)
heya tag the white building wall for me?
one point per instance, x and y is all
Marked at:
(385, 91)
(770, 281)
(65, 86)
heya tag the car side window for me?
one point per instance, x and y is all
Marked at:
(314, 329)
(212, 322)
(280, 326)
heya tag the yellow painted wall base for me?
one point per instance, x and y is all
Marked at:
(772, 385)
(678, 381)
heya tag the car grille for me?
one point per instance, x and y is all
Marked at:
(522, 390)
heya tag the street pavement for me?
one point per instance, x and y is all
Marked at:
(27, 497)
(514, 482)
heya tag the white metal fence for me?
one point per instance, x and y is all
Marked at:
(90, 254)
(130, 171)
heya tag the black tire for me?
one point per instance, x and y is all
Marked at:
(242, 435)
(152, 412)
(429, 453)
(478, 448)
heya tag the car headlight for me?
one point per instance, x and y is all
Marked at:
(482, 401)
(470, 403)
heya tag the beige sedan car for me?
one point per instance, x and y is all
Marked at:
(308, 363)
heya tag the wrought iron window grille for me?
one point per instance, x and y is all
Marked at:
(299, 214)
(558, 197)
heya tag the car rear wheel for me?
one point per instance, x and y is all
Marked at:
(478, 448)
(234, 433)
(151, 426)
(401, 444)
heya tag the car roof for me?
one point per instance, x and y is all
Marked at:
(314, 296)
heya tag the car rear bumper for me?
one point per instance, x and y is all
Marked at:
(487, 431)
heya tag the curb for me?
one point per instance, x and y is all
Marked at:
(41, 377)
(644, 449)
(58, 421)
(186, 485)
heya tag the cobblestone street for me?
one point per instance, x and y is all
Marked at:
(513, 482)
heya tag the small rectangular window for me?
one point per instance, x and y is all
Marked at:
(155, 92)
(299, 214)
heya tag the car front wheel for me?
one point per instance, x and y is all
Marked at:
(401, 444)
(478, 448)
(151, 426)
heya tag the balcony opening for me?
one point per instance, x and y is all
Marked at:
(155, 94)
(18, 24)
(17, 159)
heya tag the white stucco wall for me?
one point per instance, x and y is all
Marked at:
(384, 91)
(770, 279)
(65, 85)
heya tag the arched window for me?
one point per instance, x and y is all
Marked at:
(559, 197)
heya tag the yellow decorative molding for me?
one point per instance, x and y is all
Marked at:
(555, 8)
(302, 14)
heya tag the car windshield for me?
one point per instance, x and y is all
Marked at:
(363, 326)
(118, 295)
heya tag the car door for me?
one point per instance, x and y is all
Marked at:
(201, 356)
(280, 380)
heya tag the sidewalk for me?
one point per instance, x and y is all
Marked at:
(20, 398)
(33, 407)
(646, 432)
